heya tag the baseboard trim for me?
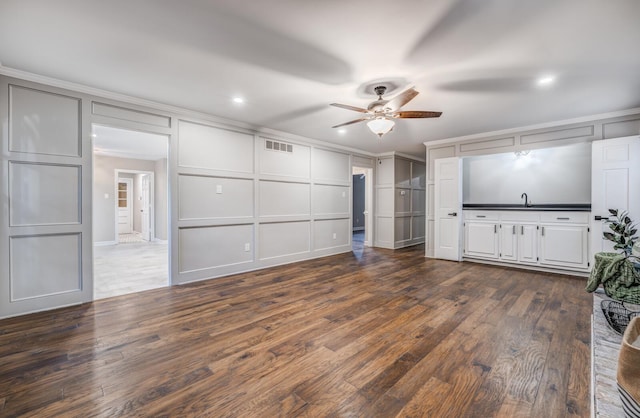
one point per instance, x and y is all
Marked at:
(103, 243)
(161, 241)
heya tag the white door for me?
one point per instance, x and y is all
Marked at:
(125, 206)
(145, 209)
(448, 201)
(615, 184)
(45, 198)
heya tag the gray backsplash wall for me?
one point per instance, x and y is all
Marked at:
(548, 176)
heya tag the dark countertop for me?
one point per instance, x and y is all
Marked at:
(571, 207)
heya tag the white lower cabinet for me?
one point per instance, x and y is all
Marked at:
(508, 242)
(528, 244)
(545, 239)
(564, 245)
(481, 239)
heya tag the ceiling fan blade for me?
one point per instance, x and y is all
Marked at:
(344, 106)
(350, 122)
(401, 99)
(407, 114)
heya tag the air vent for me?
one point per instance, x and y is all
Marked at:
(277, 146)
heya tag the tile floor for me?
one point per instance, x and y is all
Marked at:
(130, 267)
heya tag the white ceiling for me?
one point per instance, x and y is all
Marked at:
(477, 61)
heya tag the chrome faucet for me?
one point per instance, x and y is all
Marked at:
(526, 200)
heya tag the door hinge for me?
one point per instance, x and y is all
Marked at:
(588, 229)
(500, 226)
(537, 226)
(500, 255)
(588, 264)
(537, 258)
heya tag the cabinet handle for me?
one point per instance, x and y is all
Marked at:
(514, 230)
(521, 230)
(481, 216)
(495, 229)
(563, 219)
(543, 231)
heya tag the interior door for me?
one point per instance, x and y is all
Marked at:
(125, 206)
(615, 180)
(45, 198)
(146, 209)
(448, 203)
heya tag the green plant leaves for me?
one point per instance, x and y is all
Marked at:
(624, 231)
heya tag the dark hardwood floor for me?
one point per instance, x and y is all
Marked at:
(388, 334)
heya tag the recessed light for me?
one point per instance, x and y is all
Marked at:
(342, 131)
(546, 80)
(238, 100)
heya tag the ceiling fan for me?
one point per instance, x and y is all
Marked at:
(380, 113)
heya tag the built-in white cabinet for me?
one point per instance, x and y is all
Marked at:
(544, 239)
(481, 239)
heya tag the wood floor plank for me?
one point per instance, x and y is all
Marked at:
(389, 333)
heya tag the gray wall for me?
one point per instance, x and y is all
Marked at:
(358, 202)
(236, 212)
(553, 175)
(104, 183)
(161, 187)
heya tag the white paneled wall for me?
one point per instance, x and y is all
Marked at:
(247, 202)
(400, 202)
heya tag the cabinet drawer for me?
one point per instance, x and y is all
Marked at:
(481, 215)
(565, 217)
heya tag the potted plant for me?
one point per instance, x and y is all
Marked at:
(623, 231)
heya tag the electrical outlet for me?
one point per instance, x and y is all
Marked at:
(218, 188)
(344, 194)
(334, 235)
(247, 247)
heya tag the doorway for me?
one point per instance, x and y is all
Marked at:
(130, 211)
(362, 186)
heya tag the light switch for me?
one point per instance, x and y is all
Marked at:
(403, 192)
(106, 195)
(247, 247)
(334, 235)
(218, 188)
(344, 194)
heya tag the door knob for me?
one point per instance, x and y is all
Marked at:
(601, 218)
(452, 214)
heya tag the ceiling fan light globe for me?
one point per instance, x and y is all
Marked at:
(380, 126)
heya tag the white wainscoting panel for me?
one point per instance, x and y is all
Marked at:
(331, 166)
(208, 147)
(403, 172)
(331, 233)
(418, 175)
(331, 200)
(284, 239)
(43, 123)
(418, 227)
(202, 197)
(33, 186)
(210, 247)
(384, 231)
(402, 201)
(418, 199)
(45, 265)
(294, 164)
(284, 199)
(384, 205)
(402, 228)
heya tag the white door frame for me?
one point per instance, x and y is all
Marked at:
(129, 183)
(368, 201)
(152, 212)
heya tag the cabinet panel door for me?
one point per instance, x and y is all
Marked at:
(481, 239)
(564, 245)
(508, 242)
(528, 244)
